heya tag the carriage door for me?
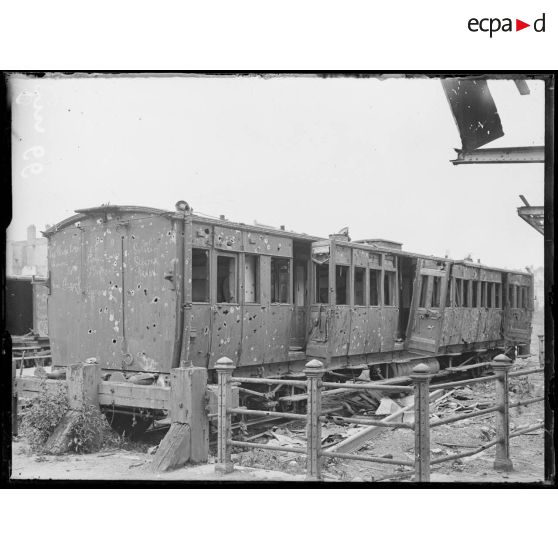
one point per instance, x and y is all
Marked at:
(427, 308)
(518, 308)
(150, 277)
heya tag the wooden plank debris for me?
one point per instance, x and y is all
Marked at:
(358, 440)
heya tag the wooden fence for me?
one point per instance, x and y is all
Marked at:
(422, 425)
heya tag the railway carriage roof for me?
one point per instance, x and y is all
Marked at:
(81, 213)
(100, 210)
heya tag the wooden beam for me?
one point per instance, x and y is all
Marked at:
(358, 440)
(122, 394)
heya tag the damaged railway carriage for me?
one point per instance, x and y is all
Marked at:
(144, 290)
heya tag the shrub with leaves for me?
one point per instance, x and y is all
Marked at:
(89, 430)
(44, 414)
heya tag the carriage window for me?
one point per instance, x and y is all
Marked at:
(448, 294)
(526, 301)
(489, 295)
(342, 284)
(359, 286)
(226, 279)
(512, 294)
(389, 288)
(423, 291)
(280, 280)
(497, 296)
(375, 281)
(322, 283)
(300, 284)
(519, 297)
(459, 292)
(251, 278)
(483, 294)
(436, 288)
(475, 302)
(200, 275)
(466, 298)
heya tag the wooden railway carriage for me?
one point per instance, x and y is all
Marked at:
(143, 289)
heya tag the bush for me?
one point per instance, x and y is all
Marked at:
(89, 430)
(44, 414)
(47, 410)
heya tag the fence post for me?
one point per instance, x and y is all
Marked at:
(421, 382)
(224, 367)
(501, 367)
(83, 385)
(187, 439)
(314, 371)
(83, 389)
(14, 399)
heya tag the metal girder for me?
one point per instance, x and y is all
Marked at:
(534, 215)
(532, 154)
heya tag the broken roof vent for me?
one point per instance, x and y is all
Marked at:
(183, 207)
(382, 243)
(342, 235)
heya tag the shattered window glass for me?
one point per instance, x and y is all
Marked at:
(226, 279)
(280, 280)
(251, 278)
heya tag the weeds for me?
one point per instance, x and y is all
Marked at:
(89, 430)
(44, 414)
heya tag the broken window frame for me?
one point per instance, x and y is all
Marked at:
(321, 274)
(498, 295)
(449, 294)
(466, 293)
(300, 265)
(458, 293)
(207, 278)
(257, 280)
(359, 300)
(347, 289)
(390, 288)
(233, 293)
(436, 295)
(377, 283)
(477, 289)
(490, 294)
(423, 292)
(275, 286)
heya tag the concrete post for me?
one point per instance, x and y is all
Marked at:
(225, 368)
(314, 371)
(421, 382)
(501, 366)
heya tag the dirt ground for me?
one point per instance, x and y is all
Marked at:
(527, 451)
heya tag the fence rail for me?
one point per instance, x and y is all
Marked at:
(422, 425)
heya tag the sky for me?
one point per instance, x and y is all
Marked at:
(312, 154)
